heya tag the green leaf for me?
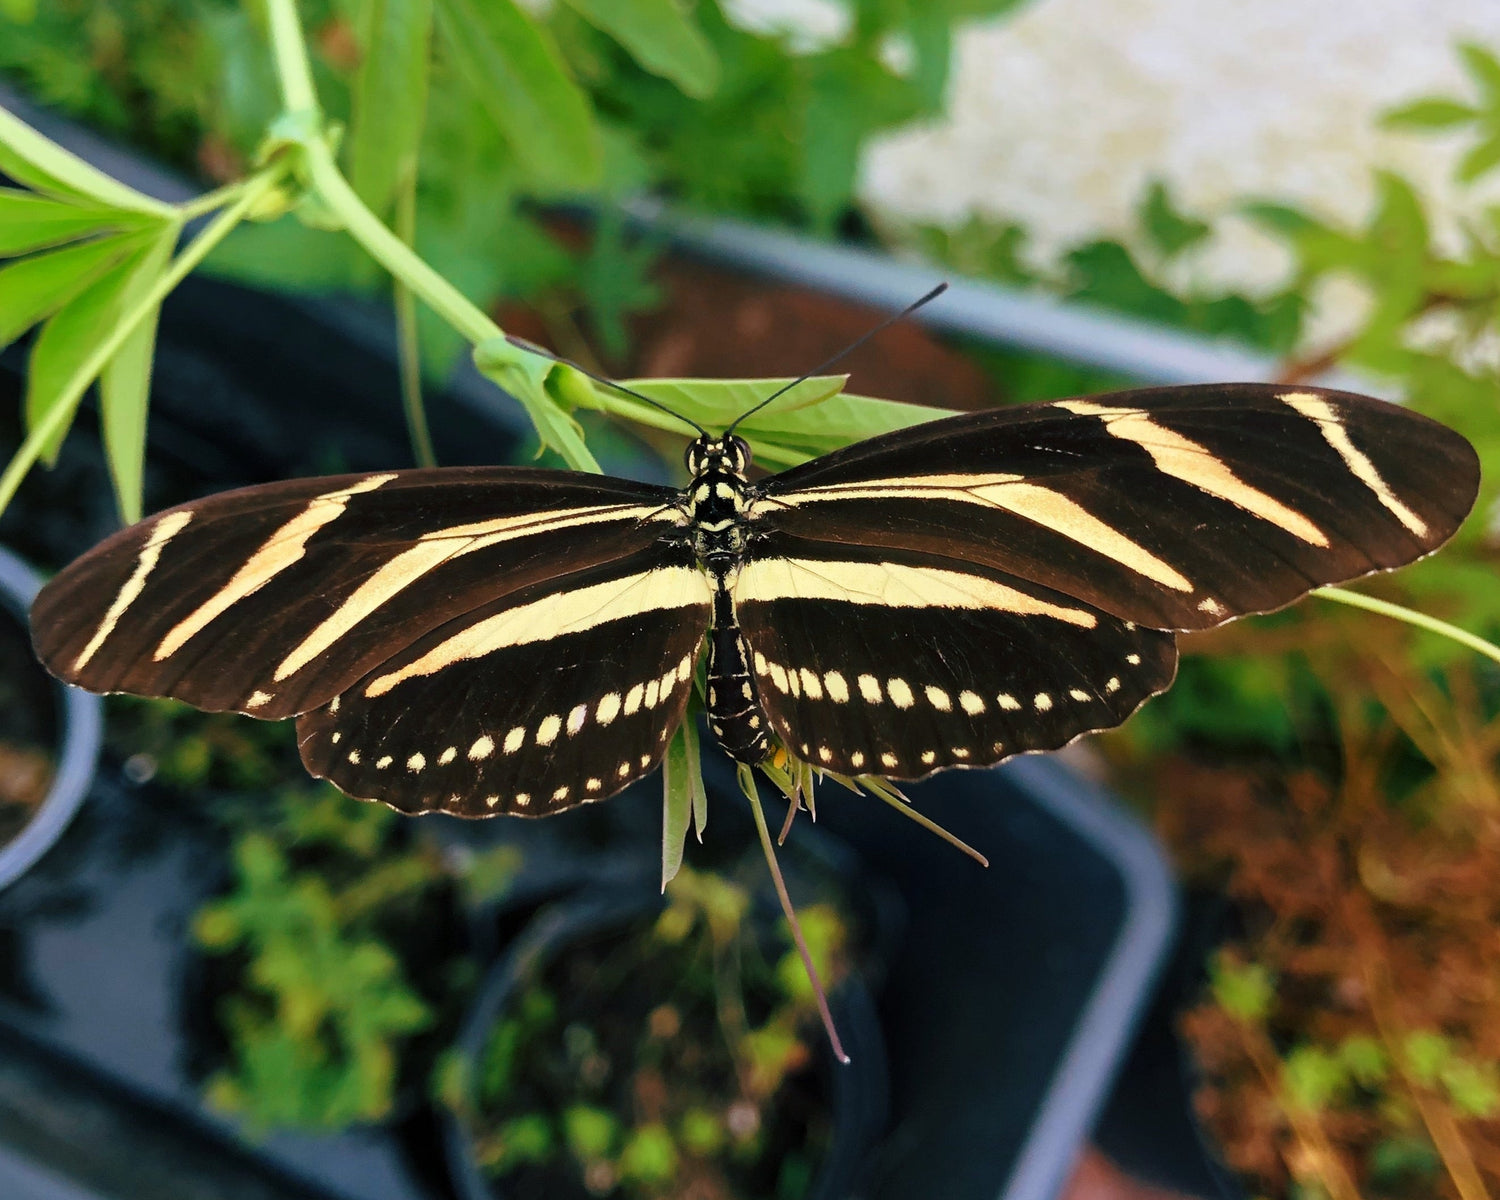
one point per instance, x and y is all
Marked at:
(695, 772)
(1365, 1058)
(714, 403)
(677, 770)
(1473, 1089)
(1484, 67)
(1480, 159)
(1398, 1158)
(68, 336)
(590, 1132)
(660, 37)
(30, 222)
(1434, 112)
(649, 1157)
(515, 70)
(1428, 1054)
(390, 97)
(1170, 231)
(535, 381)
(851, 96)
(125, 382)
(1245, 991)
(34, 288)
(41, 164)
(1313, 1078)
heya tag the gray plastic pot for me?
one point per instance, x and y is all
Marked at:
(81, 724)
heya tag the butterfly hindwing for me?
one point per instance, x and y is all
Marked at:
(1175, 508)
(272, 600)
(899, 665)
(555, 695)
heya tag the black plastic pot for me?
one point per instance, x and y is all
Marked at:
(73, 717)
(857, 1092)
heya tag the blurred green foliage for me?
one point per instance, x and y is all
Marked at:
(663, 1050)
(317, 1028)
(489, 107)
(333, 906)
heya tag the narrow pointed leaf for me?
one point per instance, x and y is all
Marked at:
(40, 163)
(125, 382)
(1431, 113)
(69, 335)
(677, 804)
(34, 288)
(659, 36)
(29, 222)
(512, 67)
(1480, 159)
(390, 97)
(695, 774)
(1484, 67)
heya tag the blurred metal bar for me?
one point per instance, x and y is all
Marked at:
(992, 312)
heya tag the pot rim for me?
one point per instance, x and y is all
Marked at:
(82, 716)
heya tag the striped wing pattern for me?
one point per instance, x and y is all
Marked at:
(557, 695)
(513, 640)
(272, 600)
(1146, 512)
(936, 663)
(1175, 508)
(297, 599)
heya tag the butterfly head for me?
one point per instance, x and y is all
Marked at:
(728, 454)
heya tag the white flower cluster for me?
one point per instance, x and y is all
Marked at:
(1062, 113)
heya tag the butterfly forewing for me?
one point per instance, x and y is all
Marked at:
(1175, 508)
(902, 664)
(555, 695)
(274, 599)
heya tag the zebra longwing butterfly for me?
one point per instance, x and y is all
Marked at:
(520, 640)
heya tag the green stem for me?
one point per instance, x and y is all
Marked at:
(391, 252)
(1421, 620)
(293, 70)
(209, 201)
(317, 162)
(62, 410)
(408, 351)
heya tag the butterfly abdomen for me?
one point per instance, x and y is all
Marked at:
(734, 711)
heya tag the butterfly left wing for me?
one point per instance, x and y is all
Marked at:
(540, 624)
(903, 664)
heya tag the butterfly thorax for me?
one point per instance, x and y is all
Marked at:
(718, 503)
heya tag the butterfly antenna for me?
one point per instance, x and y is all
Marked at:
(847, 350)
(600, 379)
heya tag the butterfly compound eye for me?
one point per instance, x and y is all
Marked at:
(738, 453)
